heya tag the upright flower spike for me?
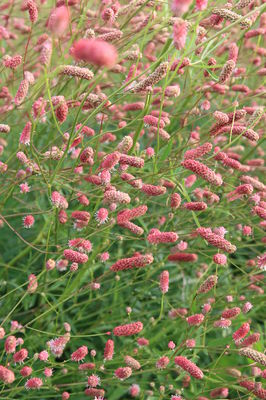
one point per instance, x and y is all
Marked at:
(82, 245)
(59, 20)
(109, 350)
(219, 393)
(164, 282)
(250, 340)
(162, 362)
(46, 52)
(61, 108)
(79, 354)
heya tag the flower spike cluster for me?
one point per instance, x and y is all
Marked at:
(132, 199)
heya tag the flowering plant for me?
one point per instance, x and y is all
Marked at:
(132, 201)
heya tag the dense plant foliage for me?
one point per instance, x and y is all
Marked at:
(132, 202)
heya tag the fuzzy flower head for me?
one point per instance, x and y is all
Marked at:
(134, 390)
(171, 345)
(24, 188)
(57, 345)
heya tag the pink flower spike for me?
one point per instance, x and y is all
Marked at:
(162, 362)
(171, 345)
(79, 354)
(59, 20)
(33, 383)
(195, 319)
(25, 135)
(189, 366)
(128, 330)
(164, 282)
(6, 375)
(28, 221)
(241, 332)
(123, 373)
(101, 216)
